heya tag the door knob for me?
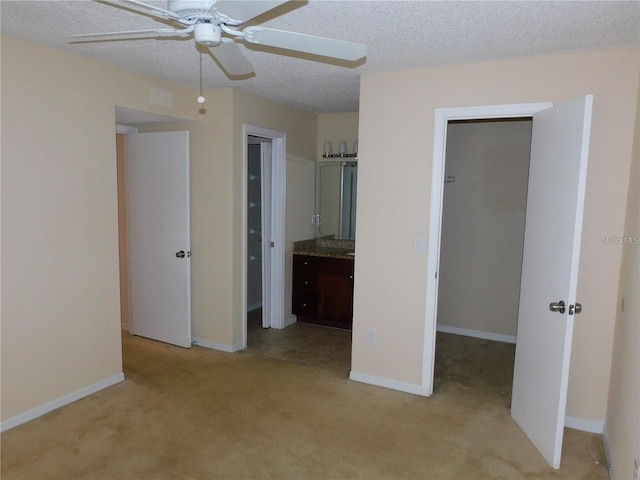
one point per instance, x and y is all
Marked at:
(577, 308)
(557, 306)
(180, 254)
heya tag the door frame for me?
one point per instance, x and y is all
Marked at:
(442, 118)
(278, 199)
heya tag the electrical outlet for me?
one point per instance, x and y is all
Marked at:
(636, 470)
(371, 336)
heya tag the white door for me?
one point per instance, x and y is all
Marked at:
(266, 202)
(159, 245)
(557, 177)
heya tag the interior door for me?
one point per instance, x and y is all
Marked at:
(158, 229)
(266, 205)
(558, 168)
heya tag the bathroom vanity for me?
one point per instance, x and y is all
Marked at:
(323, 282)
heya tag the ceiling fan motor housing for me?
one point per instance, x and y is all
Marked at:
(207, 34)
(190, 8)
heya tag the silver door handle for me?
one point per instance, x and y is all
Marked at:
(180, 254)
(577, 308)
(557, 306)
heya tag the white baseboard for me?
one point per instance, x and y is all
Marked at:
(496, 337)
(217, 346)
(608, 453)
(290, 320)
(386, 383)
(591, 426)
(60, 402)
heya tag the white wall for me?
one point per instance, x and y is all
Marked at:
(396, 139)
(483, 227)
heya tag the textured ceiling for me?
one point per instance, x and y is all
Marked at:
(398, 34)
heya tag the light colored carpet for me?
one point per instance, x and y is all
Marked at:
(202, 414)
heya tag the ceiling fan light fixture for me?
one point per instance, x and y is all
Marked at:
(207, 34)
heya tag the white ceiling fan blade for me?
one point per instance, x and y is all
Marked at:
(155, 32)
(237, 12)
(300, 42)
(231, 58)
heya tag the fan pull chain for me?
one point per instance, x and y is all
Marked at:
(201, 99)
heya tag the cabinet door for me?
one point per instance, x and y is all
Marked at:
(335, 287)
(336, 296)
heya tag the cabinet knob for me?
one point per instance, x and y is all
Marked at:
(306, 283)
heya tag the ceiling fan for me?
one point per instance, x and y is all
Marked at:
(215, 24)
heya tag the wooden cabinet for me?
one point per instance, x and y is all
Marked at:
(323, 290)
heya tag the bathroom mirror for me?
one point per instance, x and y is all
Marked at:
(336, 199)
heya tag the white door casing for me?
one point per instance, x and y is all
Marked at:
(557, 179)
(157, 184)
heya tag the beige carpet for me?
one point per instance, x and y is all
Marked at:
(202, 414)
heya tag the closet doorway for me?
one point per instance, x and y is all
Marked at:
(550, 262)
(482, 237)
(258, 240)
(269, 213)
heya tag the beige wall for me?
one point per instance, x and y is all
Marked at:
(483, 227)
(623, 412)
(396, 139)
(60, 269)
(335, 127)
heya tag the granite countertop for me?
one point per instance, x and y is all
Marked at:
(326, 247)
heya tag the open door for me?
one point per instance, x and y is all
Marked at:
(557, 177)
(158, 229)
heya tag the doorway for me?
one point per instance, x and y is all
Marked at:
(443, 117)
(153, 205)
(556, 190)
(482, 239)
(259, 206)
(269, 212)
